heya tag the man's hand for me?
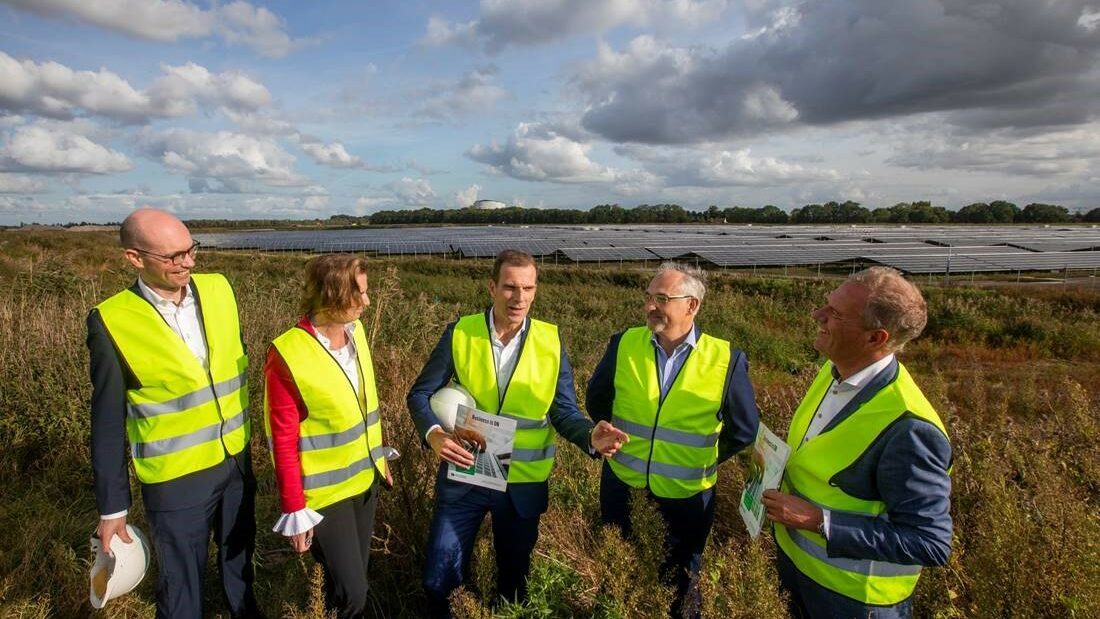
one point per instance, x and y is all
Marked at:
(607, 439)
(445, 446)
(388, 477)
(792, 511)
(471, 436)
(302, 541)
(107, 531)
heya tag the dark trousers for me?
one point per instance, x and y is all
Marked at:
(451, 542)
(341, 544)
(809, 600)
(688, 522)
(182, 537)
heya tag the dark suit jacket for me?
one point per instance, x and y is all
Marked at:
(906, 468)
(111, 377)
(529, 499)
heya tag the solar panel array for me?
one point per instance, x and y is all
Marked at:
(923, 250)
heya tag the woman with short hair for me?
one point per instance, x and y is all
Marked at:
(321, 414)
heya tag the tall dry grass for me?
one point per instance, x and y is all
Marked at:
(1013, 372)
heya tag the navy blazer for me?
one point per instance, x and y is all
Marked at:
(905, 467)
(738, 412)
(111, 377)
(529, 498)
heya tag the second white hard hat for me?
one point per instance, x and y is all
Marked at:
(445, 404)
(112, 577)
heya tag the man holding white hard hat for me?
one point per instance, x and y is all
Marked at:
(514, 366)
(118, 573)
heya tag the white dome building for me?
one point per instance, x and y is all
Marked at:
(488, 205)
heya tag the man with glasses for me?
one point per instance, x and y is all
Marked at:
(685, 400)
(169, 373)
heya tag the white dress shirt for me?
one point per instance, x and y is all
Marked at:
(345, 355)
(183, 318)
(505, 356)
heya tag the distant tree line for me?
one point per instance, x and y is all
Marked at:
(848, 212)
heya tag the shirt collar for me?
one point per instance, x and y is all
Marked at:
(162, 303)
(864, 376)
(493, 330)
(349, 328)
(689, 341)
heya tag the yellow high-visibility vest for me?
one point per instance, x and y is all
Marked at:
(340, 440)
(527, 397)
(812, 466)
(673, 444)
(181, 418)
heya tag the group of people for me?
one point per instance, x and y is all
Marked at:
(864, 501)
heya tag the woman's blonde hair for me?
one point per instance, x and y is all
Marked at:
(330, 283)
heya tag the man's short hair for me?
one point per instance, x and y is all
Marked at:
(330, 283)
(694, 282)
(893, 303)
(513, 258)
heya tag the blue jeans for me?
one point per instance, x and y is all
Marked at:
(451, 541)
(809, 600)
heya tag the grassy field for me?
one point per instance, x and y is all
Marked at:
(1014, 372)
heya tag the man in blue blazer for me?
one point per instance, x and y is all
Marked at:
(516, 367)
(865, 499)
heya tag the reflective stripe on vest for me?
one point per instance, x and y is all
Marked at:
(813, 465)
(526, 398)
(181, 418)
(673, 444)
(340, 440)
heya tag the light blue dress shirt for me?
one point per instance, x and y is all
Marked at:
(668, 366)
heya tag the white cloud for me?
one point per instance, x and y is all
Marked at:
(1052, 154)
(441, 33)
(539, 153)
(175, 93)
(718, 167)
(20, 183)
(171, 20)
(55, 90)
(333, 155)
(466, 197)
(57, 149)
(412, 192)
(506, 23)
(475, 93)
(224, 156)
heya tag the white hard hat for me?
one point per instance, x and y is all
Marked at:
(445, 404)
(113, 577)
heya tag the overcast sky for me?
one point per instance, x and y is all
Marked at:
(307, 109)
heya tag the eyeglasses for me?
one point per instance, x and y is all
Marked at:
(176, 258)
(661, 298)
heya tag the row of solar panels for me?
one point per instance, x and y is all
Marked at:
(914, 250)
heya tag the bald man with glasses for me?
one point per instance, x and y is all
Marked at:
(169, 375)
(685, 400)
